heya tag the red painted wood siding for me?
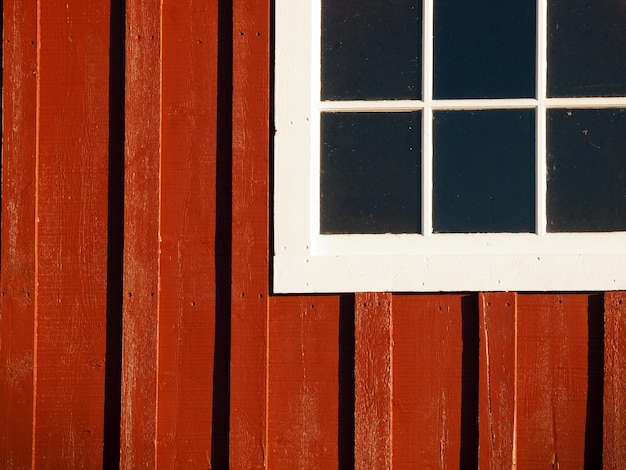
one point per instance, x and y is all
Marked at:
(141, 234)
(138, 326)
(54, 233)
(17, 235)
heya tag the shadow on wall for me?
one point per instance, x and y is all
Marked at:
(221, 361)
(115, 249)
(595, 387)
(469, 381)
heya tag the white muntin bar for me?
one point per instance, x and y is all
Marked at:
(540, 138)
(427, 117)
(379, 106)
(589, 103)
(382, 106)
(540, 172)
(427, 172)
(473, 104)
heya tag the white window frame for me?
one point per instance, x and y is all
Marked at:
(305, 261)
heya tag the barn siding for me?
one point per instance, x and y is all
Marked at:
(614, 380)
(551, 383)
(54, 232)
(497, 385)
(187, 229)
(17, 308)
(71, 232)
(141, 234)
(250, 312)
(216, 371)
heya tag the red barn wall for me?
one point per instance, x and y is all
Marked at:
(137, 323)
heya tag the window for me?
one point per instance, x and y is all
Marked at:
(450, 145)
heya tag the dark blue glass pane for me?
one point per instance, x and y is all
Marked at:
(485, 49)
(484, 171)
(370, 173)
(586, 170)
(586, 48)
(371, 49)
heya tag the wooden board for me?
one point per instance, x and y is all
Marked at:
(434, 408)
(71, 233)
(141, 234)
(17, 306)
(373, 373)
(187, 230)
(250, 234)
(615, 380)
(497, 379)
(303, 386)
(552, 355)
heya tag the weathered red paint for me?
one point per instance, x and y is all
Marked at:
(427, 358)
(17, 306)
(141, 234)
(187, 230)
(71, 233)
(497, 374)
(614, 455)
(250, 234)
(373, 376)
(551, 380)
(303, 385)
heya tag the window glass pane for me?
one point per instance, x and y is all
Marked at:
(586, 48)
(371, 49)
(484, 49)
(370, 172)
(484, 171)
(586, 170)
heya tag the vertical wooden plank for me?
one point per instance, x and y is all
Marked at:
(187, 285)
(303, 382)
(497, 379)
(17, 311)
(373, 337)
(250, 234)
(614, 453)
(428, 379)
(141, 234)
(71, 237)
(552, 382)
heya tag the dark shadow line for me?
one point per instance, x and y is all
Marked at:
(595, 386)
(469, 382)
(115, 237)
(346, 380)
(220, 442)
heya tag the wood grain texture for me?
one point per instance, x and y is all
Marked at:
(373, 356)
(552, 380)
(250, 234)
(17, 309)
(428, 380)
(426, 395)
(71, 237)
(497, 379)
(303, 382)
(141, 234)
(187, 267)
(614, 455)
